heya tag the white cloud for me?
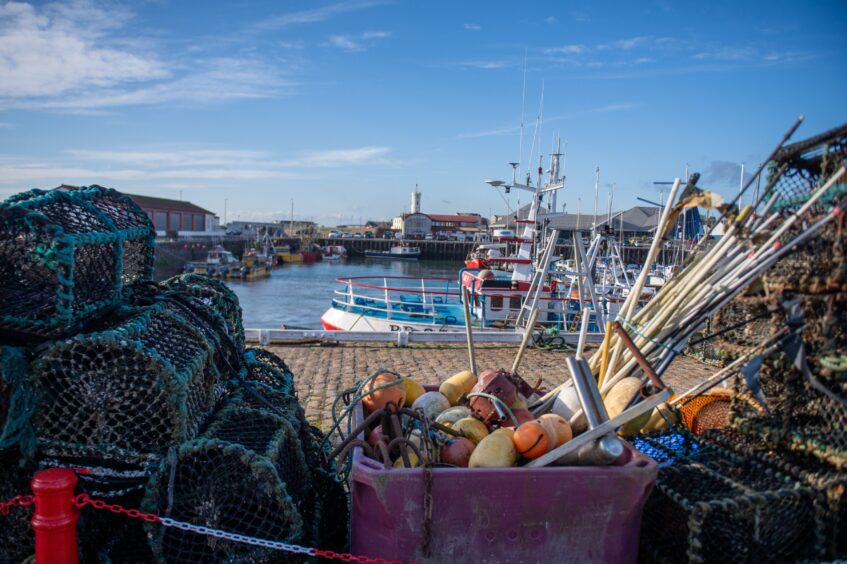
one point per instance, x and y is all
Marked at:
(76, 57)
(487, 65)
(170, 158)
(61, 48)
(361, 42)
(551, 20)
(566, 49)
(316, 15)
(292, 44)
(472, 26)
(514, 129)
(340, 157)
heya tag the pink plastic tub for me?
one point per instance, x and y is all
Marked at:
(552, 514)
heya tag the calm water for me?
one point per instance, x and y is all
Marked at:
(296, 295)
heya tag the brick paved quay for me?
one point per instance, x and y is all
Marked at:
(322, 371)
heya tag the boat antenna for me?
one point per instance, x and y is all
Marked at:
(596, 192)
(523, 106)
(536, 135)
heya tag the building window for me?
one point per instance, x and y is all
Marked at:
(186, 222)
(161, 221)
(173, 221)
(198, 222)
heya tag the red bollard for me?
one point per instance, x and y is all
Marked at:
(55, 516)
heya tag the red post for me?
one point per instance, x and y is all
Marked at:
(55, 517)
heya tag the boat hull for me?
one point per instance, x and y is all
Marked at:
(389, 256)
(337, 320)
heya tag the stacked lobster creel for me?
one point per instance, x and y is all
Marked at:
(787, 417)
(256, 470)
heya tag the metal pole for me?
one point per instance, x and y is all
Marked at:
(468, 330)
(55, 517)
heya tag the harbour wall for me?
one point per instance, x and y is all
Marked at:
(171, 255)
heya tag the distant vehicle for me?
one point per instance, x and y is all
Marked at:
(233, 231)
(441, 237)
(357, 235)
(459, 237)
(481, 237)
(369, 235)
(398, 235)
(503, 233)
(334, 234)
(429, 237)
(387, 235)
(346, 235)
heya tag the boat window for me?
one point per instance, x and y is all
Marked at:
(496, 303)
(514, 302)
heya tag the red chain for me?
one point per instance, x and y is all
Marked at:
(82, 500)
(352, 558)
(17, 501)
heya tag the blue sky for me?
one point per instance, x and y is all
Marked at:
(345, 106)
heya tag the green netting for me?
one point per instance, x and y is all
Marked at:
(66, 256)
(16, 401)
(713, 505)
(127, 392)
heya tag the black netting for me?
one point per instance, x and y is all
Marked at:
(223, 486)
(129, 391)
(809, 163)
(16, 538)
(713, 505)
(65, 256)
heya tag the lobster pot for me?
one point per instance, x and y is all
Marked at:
(214, 304)
(263, 367)
(66, 257)
(128, 392)
(804, 468)
(14, 398)
(224, 486)
(17, 541)
(712, 505)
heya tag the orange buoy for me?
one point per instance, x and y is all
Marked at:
(561, 429)
(532, 439)
(374, 400)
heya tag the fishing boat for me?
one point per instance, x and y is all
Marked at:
(397, 252)
(220, 263)
(334, 252)
(498, 299)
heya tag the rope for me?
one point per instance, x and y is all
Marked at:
(635, 330)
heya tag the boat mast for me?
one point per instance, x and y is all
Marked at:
(596, 193)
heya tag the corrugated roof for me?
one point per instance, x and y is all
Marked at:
(152, 202)
(454, 217)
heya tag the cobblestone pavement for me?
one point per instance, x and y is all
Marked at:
(322, 371)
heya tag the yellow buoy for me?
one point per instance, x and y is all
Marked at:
(456, 385)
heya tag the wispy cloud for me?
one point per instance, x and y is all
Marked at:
(551, 20)
(75, 57)
(511, 130)
(361, 42)
(487, 65)
(725, 173)
(567, 49)
(472, 26)
(182, 167)
(316, 15)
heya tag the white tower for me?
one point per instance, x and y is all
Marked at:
(416, 200)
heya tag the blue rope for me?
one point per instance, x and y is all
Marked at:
(635, 330)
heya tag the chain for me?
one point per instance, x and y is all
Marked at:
(17, 501)
(83, 500)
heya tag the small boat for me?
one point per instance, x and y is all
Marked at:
(334, 252)
(286, 255)
(398, 252)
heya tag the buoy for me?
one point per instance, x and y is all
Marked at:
(497, 450)
(473, 429)
(532, 439)
(560, 426)
(618, 398)
(456, 385)
(432, 404)
(373, 401)
(453, 414)
(567, 404)
(413, 390)
(457, 452)
(413, 460)
(522, 415)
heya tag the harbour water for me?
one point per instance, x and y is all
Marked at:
(296, 295)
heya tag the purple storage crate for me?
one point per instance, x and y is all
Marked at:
(552, 514)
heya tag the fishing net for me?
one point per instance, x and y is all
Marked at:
(809, 162)
(263, 367)
(16, 538)
(224, 486)
(66, 256)
(712, 505)
(127, 392)
(15, 401)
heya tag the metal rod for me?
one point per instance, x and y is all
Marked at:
(468, 330)
(639, 358)
(527, 333)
